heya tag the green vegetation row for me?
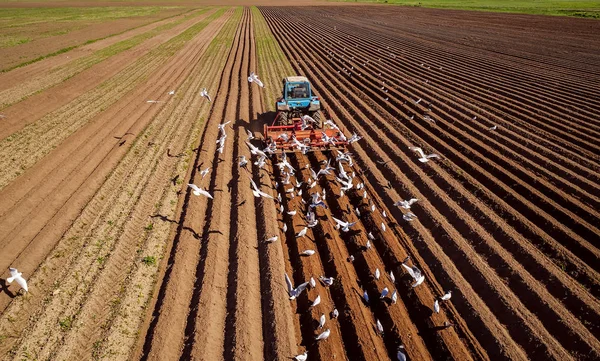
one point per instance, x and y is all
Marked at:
(272, 62)
(576, 8)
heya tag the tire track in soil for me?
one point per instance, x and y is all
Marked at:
(127, 233)
(573, 303)
(23, 149)
(73, 166)
(22, 83)
(355, 321)
(189, 273)
(35, 106)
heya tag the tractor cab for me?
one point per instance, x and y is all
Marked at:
(297, 100)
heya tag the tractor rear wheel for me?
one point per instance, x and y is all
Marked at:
(317, 117)
(283, 118)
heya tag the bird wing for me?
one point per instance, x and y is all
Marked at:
(13, 272)
(410, 271)
(302, 287)
(288, 282)
(203, 192)
(341, 223)
(420, 151)
(419, 281)
(194, 187)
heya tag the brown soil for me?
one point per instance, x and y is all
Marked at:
(507, 219)
(12, 56)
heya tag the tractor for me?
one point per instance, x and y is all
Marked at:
(298, 124)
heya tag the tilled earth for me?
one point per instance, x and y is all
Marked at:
(124, 262)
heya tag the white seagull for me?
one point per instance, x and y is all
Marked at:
(447, 296)
(415, 273)
(257, 192)
(379, 327)
(253, 78)
(301, 357)
(197, 191)
(436, 306)
(204, 93)
(405, 204)
(494, 127)
(15, 275)
(424, 158)
(322, 321)
(345, 226)
(400, 355)
(323, 335)
(308, 252)
(394, 296)
(250, 135)
(392, 277)
(294, 292)
(316, 301)
(410, 216)
(204, 172)
(272, 239)
(335, 313)
(302, 233)
(327, 281)
(377, 274)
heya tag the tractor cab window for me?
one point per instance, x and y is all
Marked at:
(298, 91)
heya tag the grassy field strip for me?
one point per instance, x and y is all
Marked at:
(138, 187)
(142, 280)
(24, 148)
(576, 8)
(25, 60)
(64, 72)
(272, 63)
(17, 25)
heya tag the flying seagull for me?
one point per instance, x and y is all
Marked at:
(253, 78)
(345, 226)
(405, 204)
(204, 93)
(257, 192)
(294, 292)
(204, 172)
(197, 191)
(415, 273)
(410, 216)
(424, 158)
(15, 275)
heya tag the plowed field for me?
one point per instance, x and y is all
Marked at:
(124, 262)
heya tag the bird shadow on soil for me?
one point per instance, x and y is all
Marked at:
(166, 219)
(4, 288)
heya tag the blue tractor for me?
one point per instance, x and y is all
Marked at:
(297, 100)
